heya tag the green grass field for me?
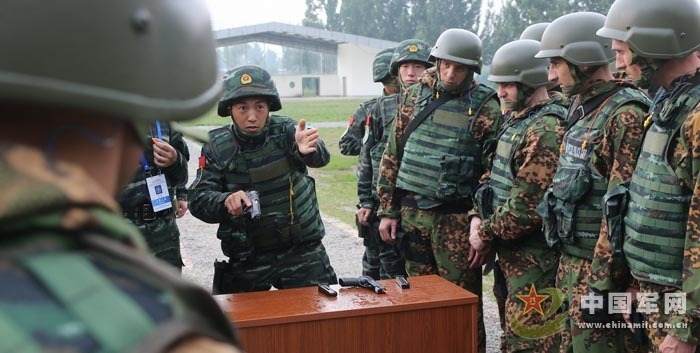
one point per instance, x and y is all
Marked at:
(313, 110)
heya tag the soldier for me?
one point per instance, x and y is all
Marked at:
(661, 244)
(597, 154)
(351, 141)
(76, 276)
(253, 181)
(407, 63)
(439, 145)
(166, 154)
(523, 167)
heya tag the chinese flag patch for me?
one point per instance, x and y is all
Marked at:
(202, 161)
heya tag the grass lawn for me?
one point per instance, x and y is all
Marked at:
(311, 109)
(336, 183)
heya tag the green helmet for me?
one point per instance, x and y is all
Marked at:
(248, 81)
(410, 50)
(141, 60)
(516, 62)
(534, 31)
(655, 29)
(573, 38)
(381, 66)
(458, 45)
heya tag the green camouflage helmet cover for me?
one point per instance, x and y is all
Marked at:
(458, 45)
(516, 62)
(534, 31)
(136, 59)
(381, 66)
(573, 38)
(248, 81)
(410, 50)
(655, 29)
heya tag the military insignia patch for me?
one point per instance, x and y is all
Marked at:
(413, 48)
(246, 79)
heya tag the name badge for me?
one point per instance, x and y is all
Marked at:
(158, 193)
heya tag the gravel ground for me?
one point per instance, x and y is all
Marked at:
(200, 248)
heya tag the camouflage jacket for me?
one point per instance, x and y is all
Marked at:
(534, 163)
(351, 141)
(70, 259)
(485, 129)
(135, 193)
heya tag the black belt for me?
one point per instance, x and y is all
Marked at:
(145, 213)
(456, 206)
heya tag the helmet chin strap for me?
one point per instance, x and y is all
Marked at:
(580, 77)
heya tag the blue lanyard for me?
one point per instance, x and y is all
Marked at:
(144, 160)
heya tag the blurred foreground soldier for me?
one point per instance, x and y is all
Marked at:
(352, 139)
(598, 154)
(439, 145)
(151, 203)
(534, 31)
(523, 167)
(661, 244)
(406, 63)
(253, 181)
(76, 276)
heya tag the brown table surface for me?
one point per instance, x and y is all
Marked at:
(307, 304)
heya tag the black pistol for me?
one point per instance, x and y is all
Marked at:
(402, 281)
(362, 281)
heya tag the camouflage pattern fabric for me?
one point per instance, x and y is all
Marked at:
(351, 141)
(513, 228)
(161, 233)
(60, 233)
(656, 330)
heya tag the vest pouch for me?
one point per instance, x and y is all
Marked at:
(235, 244)
(483, 200)
(549, 220)
(614, 207)
(272, 233)
(573, 186)
(455, 179)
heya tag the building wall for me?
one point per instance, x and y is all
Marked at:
(329, 85)
(355, 68)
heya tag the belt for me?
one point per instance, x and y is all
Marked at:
(144, 213)
(457, 206)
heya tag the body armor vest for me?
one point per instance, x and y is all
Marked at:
(578, 188)
(656, 218)
(442, 159)
(502, 172)
(290, 213)
(387, 107)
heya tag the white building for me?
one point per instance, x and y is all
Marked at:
(355, 55)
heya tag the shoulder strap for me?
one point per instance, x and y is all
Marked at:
(413, 125)
(15, 339)
(223, 144)
(576, 113)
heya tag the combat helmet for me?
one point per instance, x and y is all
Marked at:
(516, 62)
(655, 29)
(248, 81)
(140, 60)
(458, 45)
(573, 37)
(534, 31)
(381, 66)
(410, 50)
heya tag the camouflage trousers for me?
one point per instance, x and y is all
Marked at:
(500, 292)
(163, 239)
(525, 267)
(438, 243)
(300, 266)
(381, 260)
(572, 279)
(655, 331)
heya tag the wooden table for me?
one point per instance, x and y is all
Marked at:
(432, 316)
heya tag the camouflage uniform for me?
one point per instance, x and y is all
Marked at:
(283, 247)
(433, 209)
(159, 229)
(351, 141)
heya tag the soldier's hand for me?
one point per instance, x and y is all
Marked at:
(363, 215)
(181, 208)
(164, 155)
(237, 202)
(477, 259)
(305, 138)
(474, 239)
(672, 344)
(387, 229)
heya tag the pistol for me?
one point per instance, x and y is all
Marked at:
(254, 210)
(362, 281)
(402, 281)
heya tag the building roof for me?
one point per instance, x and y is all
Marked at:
(308, 38)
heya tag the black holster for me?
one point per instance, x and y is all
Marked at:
(614, 208)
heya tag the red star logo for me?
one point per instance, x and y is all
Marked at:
(533, 301)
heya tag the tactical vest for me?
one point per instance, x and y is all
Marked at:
(387, 108)
(502, 172)
(290, 213)
(577, 187)
(657, 214)
(442, 159)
